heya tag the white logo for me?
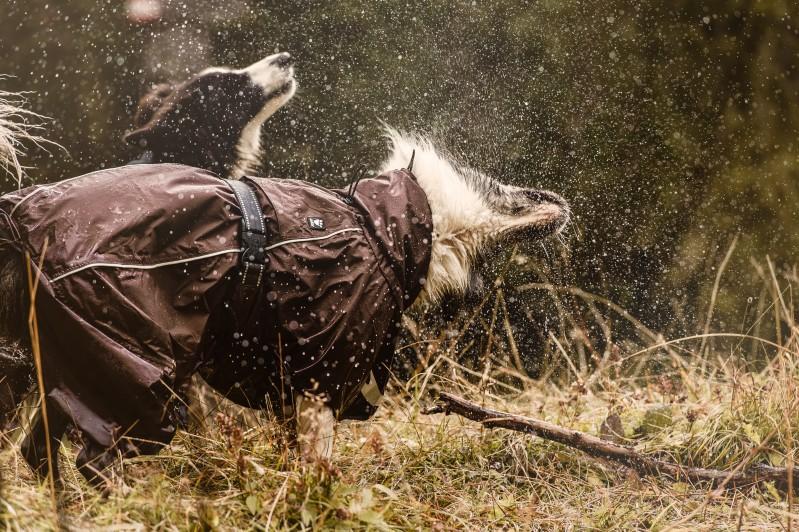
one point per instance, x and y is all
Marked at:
(316, 223)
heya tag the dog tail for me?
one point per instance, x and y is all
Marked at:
(18, 129)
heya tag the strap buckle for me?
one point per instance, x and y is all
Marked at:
(254, 240)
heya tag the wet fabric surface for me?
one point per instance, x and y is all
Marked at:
(140, 287)
(328, 312)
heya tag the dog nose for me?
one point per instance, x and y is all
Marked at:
(283, 60)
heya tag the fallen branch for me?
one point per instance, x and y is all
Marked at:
(598, 448)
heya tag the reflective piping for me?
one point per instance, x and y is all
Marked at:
(296, 240)
(143, 266)
(192, 259)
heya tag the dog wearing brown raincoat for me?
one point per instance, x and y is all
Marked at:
(283, 295)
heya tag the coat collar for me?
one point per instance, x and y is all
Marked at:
(398, 217)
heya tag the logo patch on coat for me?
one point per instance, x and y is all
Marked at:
(316, 223)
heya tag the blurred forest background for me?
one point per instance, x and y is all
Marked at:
(670, 126)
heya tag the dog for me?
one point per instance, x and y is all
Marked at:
(214, 119)
(295, 308)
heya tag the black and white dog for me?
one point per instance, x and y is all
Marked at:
(473, 213)
(213, 120)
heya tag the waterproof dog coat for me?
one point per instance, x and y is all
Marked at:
(144, 282)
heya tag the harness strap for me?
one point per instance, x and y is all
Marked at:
(253, 230)
(242, 318)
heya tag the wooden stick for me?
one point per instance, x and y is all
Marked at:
(598, 448)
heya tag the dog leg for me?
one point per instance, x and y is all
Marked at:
(203, 404)
(316, 427)
(34, 447)
(97, 467)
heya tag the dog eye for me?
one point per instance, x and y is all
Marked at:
(517, 209)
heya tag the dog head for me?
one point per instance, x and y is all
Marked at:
(214, 119)
(520, 215)
(472, 212)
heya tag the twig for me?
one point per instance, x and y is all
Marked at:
(598, 448)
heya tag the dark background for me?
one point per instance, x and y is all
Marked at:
(670, 126)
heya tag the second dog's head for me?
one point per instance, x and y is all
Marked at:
(472, 212)
(214, 119)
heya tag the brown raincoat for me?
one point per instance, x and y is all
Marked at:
(141, 286)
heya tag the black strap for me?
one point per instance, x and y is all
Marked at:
(253, 230)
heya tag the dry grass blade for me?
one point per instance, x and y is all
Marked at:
(715, 291)
(33, 326)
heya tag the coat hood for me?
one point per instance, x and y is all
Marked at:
(399, 219)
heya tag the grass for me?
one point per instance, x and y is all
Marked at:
(411, 471)
(696, 401)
